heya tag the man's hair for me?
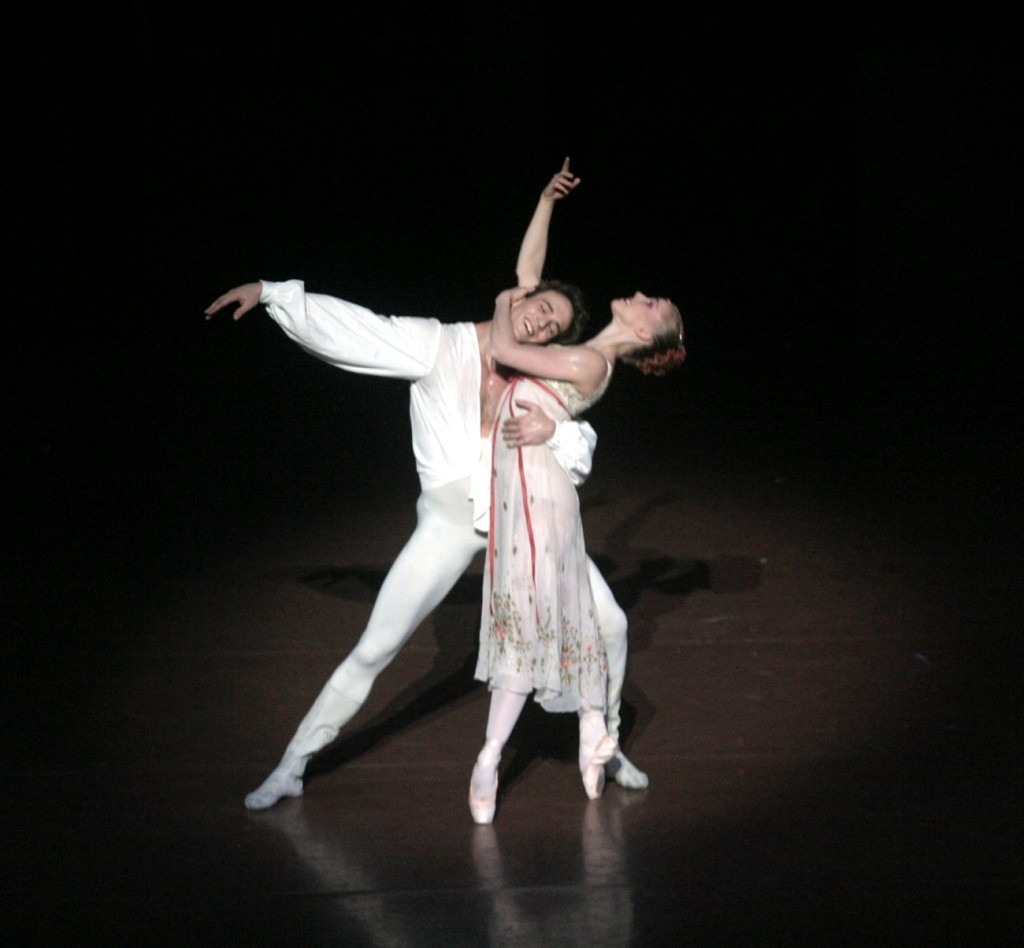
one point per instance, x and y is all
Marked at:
(580, 316)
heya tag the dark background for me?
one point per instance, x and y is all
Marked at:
(830, 195)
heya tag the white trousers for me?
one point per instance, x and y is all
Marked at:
(431, 562)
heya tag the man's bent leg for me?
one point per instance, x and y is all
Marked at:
(613, 625)
(436, 555)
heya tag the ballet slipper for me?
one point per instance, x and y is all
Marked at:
(318, 728)
(593, 772)
(285, 781)
(626, 773)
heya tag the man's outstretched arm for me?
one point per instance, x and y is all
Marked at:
(246, 296)
(343, 334)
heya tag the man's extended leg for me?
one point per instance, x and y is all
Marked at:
(437, 554)
(613, 633)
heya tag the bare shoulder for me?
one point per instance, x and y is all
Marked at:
(591, 368)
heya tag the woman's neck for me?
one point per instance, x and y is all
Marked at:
(613, 342)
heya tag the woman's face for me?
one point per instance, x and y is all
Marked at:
(648, 314)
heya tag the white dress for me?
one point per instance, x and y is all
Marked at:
(539, 629)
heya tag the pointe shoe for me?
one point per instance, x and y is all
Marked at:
(593, 773)
(482, 808)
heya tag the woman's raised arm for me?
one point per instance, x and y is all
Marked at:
(534, 248)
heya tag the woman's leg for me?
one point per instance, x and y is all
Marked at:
(506, 706)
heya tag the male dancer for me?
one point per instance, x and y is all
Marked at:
(454, 391)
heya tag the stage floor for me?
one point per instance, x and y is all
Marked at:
(823, 688)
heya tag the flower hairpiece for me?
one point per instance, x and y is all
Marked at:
(662, 361)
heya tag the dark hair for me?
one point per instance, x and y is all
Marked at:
(666, 350)
(580, 316)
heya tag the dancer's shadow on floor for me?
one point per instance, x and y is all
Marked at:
(637, 569)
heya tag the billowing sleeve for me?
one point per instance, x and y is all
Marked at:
(573, 444)
(350, 336)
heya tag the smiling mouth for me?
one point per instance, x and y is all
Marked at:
(528, 326)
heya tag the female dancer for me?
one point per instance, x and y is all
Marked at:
(539, 632)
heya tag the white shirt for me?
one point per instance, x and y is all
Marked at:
(442, 363)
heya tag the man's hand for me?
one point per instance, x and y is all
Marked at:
(531, 427)
(561, 184)
(245, 296)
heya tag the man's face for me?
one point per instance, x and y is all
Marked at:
(542, 317)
